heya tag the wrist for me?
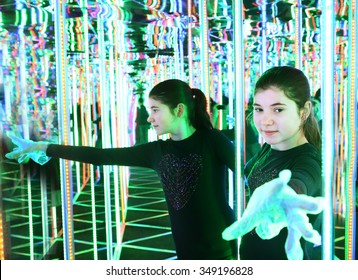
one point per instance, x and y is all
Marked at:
(42, 146)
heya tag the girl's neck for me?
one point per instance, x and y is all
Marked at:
(183, 133)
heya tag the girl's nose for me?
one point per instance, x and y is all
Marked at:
(267, 119)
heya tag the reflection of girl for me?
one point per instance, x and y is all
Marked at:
(191, 165)
(283, 116)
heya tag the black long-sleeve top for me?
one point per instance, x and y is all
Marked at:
(193, 173)
(305, 164)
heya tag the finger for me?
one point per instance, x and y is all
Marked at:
(15, 153)
(293, 245)
(314, 237)
(12, 155)
(10, 133)
(16, 140)
(300, 222)
(307, 231)
(239, 228)
(285, 176)
(312, 205)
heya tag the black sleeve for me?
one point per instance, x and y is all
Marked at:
(224, 148)
(142, 155)
(306, 176)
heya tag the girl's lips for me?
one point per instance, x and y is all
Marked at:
(269, 132)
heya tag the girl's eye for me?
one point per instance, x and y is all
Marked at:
(278, 110)
(257, 109)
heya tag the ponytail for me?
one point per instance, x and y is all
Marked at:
(312, 132)
(200, 117)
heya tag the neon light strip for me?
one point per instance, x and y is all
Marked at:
(2, 241)
(220, 96)
(231, 93)
(106, 139)
(239, 105)
(31, 229)
(190, 44)
(148, 249)
(75, 98)
(122, 91)
(24, 112)
(117, 135)
(178, 53)
(298, 35)
(148, 238)
(44, 214)
(263, 37)
(113, 76)
(88, 98)
(64, 128)
(328, 54)
(351, 144)
(204, 52)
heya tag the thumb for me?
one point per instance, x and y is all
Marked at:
(239, 228)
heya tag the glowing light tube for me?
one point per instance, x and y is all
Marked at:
(263, 37)
(190, 45)
(204, 51)
(64, 128)
(298, 40)
(25, 124)
(88, 97)
(351, 132)
(44, 215)
(328, 54)
(239, 104)
(106, 134)
(115, 78)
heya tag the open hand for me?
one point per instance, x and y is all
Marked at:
(27, 149)
(274, 206)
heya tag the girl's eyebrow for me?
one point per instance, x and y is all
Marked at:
(272, 105)
(278, 104)
(154, 107)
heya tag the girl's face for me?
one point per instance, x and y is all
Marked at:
(277, 119)
(161, 118)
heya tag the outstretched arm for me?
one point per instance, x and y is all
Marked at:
(145, 155)
(274, 206)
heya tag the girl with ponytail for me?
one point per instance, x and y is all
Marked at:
(192, 167)
(282, 113)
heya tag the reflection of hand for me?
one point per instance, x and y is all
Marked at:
(274, 206)
(27, 149)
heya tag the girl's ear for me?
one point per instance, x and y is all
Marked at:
(306, 111)
(180, 109)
